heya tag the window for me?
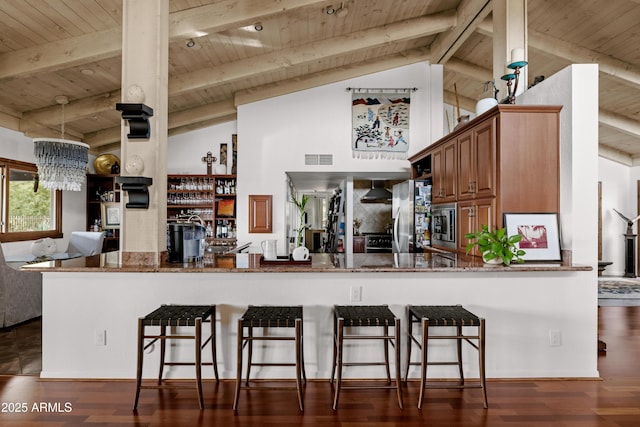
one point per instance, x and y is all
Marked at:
(29, 211)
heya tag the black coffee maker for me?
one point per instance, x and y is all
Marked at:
(186, 242)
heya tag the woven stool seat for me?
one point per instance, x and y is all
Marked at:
(175, 316)
(454, 316)
(270, 317)
(445, 315)
(178, 315)
(365, 316)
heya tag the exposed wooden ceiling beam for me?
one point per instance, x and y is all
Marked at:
(620, 123)
(184, 24)
(196, 118)
(75, 110)
(465, 103)
(202, 113)
(468, 69)
(254, 66)
(606, 118)
(203, 124)
(378, 36)
(551, 46)
(331, 76)
(469, 15)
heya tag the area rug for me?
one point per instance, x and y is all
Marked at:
(618, 291)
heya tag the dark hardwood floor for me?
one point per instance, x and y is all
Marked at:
(614, 400)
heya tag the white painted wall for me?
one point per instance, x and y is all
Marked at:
(576, 89)
(520, 309)
(618, 186)
(275, 134)
(185, 151)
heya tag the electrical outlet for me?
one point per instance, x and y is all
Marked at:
(356, 294)
(555, 338)
(100, 337)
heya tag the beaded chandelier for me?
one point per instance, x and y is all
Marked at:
(61, 163)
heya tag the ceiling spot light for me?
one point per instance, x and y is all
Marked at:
(258, 27)
(87, 72)
(330, 10)
(191, 43)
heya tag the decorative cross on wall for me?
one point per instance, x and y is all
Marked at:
(209, 159)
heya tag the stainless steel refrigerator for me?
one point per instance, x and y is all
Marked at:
(411, 212)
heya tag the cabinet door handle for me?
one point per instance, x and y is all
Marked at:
(472, 211)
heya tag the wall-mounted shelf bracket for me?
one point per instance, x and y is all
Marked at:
(137, 190)
(138, 117)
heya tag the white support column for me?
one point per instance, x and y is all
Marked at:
(145, 51)
(509, 32)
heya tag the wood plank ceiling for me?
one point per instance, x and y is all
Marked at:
(72, 48)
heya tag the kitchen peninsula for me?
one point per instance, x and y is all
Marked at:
(97, 296)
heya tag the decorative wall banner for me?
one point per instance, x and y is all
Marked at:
(380, 119)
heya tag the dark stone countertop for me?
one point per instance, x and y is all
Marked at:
(321, 263)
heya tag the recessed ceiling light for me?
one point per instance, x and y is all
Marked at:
(258, 26)
(191, 43)
(330, 10)
(87, 72)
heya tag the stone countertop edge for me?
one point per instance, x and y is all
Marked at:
(323, 263)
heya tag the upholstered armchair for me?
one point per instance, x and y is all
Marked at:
(20, 294)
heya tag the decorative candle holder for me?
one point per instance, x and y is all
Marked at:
(517, 62)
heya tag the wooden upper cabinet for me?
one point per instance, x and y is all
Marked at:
(260, 220)
(477, 161)
(466, 160)
(444, 167)
(506, 160)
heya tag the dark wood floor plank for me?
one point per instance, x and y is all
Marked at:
(612, 401)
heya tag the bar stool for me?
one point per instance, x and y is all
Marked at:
(365, 316)
(270, 317)
(441, 316)
(177, 316)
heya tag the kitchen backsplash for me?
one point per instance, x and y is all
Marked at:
(376, 217)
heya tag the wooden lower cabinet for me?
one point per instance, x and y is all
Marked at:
(472, 215)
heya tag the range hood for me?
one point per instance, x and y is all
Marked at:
(377, 194)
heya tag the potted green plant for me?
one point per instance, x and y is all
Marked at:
(300, 204)
(300, 253)
(496, 245)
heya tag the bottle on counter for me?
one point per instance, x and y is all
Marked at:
(224, 229)
(218, 229)
(209, 229)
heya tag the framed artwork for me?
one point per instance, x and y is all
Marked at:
(540, 235)
(110, 215)
(226, 207)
